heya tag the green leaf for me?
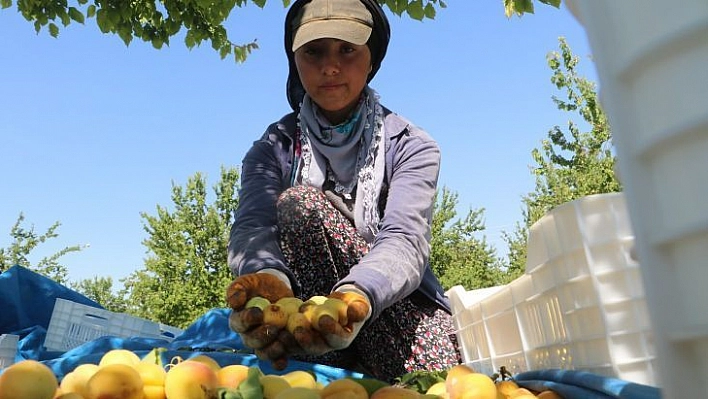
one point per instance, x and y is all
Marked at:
(64, 17)
(104, 24)
(114, 16)
(189, 40)
(76, 15)
(415, 10)
(53, 29)
(239, 54)
(259, 3)
(126, 35)
(430, 11)
(91, 11)
(5, 3)
(224, 51)
(554, 3)
(251, 387)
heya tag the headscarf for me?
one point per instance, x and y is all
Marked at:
(351, 155)
(378, 44)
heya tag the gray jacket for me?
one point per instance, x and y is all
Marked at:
(397, 263)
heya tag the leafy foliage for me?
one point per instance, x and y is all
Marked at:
(457, 256)
(100, 289)
(157, 21)
(520, 7)
(568, 165)
(25, 241)
(186, 273)
(421, 380)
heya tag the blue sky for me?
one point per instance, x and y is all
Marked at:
(92, 132)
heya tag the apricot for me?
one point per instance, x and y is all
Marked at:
(230, 376)
(28, 379)
(549, 395)
(300, 378)
(454, 374)
(439, 389)
(76, 380)
(521, 393)
(190, 380)
(506, 387)
(344, 388)
(70, 395)
(115, 381)
(119, 356)
(394, 392)
(208, 360)
(473, 386)
(153, 376)
(298, 393)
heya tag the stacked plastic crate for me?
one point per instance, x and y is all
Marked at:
(8, 349)
(580, 304)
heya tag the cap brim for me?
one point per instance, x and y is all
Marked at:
(349, 31)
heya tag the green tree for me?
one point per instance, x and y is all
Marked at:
(157, 21)
(457, 256)
(25, 241)
(186, 272)
(568, 165)
(100, 289)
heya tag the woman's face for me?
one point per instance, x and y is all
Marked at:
(333, 72)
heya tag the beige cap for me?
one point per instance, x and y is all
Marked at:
(347, 20)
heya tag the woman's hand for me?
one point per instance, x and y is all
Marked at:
(265, 285)
(256, 323)
(333, 323)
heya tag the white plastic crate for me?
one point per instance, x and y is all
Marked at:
(580, 304)
(73, 324)
(8, 349)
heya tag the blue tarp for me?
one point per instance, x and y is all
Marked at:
(27, 300)
(26, 305)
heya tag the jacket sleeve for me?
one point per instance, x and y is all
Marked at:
(253, 242)
(397, 261)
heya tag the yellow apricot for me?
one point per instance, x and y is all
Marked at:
(394, 392)
(548, 395)
(473, 386)
(344, 388)
(273, 385)
(300, 378)
(153, 376)
(439, 389)
(119, 356)
(69, 395)
(208, 360)
(455, 373)
(230, 376)
(521, 393)
(190, 380)
(28, 379)
(75, 380)
(298, 393)
(115, 381)
(506, 387)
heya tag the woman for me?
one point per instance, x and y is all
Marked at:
(337, 197)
